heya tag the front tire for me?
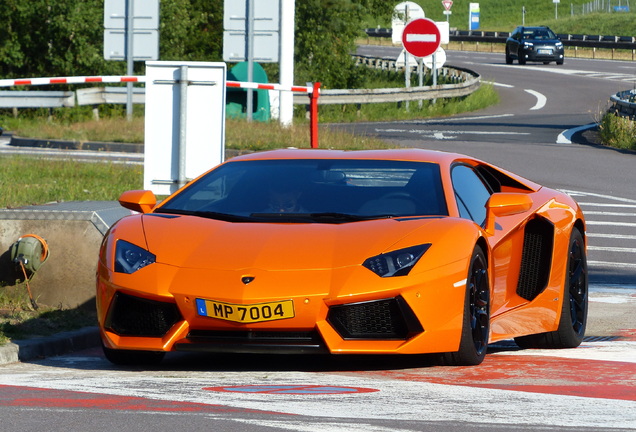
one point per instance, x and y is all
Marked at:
(508, 58)
(522, 58)
(476, 323)
(573, 319)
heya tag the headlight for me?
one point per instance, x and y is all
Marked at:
(396, 263)
(528, 45)
(559, 45)
(130, 258)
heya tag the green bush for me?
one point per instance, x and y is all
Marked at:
(619, 132)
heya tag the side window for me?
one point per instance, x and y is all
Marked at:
(471, 193)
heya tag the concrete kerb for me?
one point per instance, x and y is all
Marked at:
(61, 343)
(77, 145)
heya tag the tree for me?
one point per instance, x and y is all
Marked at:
(65, 37)
(326, 31)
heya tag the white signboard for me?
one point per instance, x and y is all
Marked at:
(403, 13)
(440, 59)
(185, 127)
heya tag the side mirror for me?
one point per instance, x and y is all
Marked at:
(142, 201)
(505, 204)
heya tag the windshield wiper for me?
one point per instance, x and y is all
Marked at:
(208, 214)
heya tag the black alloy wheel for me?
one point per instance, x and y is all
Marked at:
(476, 324)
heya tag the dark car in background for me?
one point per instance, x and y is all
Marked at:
(534, 44)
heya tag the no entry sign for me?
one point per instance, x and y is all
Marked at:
(421, 37)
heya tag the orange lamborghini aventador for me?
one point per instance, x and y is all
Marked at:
(365, 252)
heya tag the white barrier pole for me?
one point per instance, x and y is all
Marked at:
(286, 99)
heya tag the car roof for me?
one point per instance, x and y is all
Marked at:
(415, 155)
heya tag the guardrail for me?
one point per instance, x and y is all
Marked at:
(463, 82)
(624, 104)
(574, 40)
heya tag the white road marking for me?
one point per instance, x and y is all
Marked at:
(612, 249)
(612, 236)
(622, 224)
(618, 265)
(584, 204)
(541, 99)
(598, 213)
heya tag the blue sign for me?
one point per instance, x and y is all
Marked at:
(473, 16)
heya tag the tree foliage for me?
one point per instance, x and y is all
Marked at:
(41, 38)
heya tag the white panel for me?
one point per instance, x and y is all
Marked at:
(205, 124)
(266, 15)
(145, 14)
(145, 45)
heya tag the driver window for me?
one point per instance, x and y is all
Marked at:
(471, 193)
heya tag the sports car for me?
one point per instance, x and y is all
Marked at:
(404, 251)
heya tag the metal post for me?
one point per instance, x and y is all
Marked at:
(313, 115)
(420, 82)
(130, 10)
(250, 57)
(286, 99)
(183, 119)
(407, 58)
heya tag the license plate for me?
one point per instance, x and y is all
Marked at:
(242, 313)
(545, 51)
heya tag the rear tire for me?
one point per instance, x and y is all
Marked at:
(476, 324)
(133, 357)
(573, 319)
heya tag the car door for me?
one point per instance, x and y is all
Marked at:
(514, 42)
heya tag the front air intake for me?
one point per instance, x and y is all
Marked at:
(135, 316)
(378, 319)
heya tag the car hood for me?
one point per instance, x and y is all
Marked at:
(200, 243)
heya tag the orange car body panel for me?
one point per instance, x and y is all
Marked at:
(319, 265)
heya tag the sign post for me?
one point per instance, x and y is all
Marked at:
(421, 38)
(447, 8)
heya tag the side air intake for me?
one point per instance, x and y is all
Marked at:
(536, 258)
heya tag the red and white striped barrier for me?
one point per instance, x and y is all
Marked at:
(71, 80)
(141, 79)
(260, 86)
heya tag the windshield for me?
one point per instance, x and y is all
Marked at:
(323, 191)
(539, 34)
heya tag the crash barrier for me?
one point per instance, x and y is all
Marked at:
(610, 42)
(462, 82)
(624, 104)
(581, 40)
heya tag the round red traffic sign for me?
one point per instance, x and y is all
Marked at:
(421, 37)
